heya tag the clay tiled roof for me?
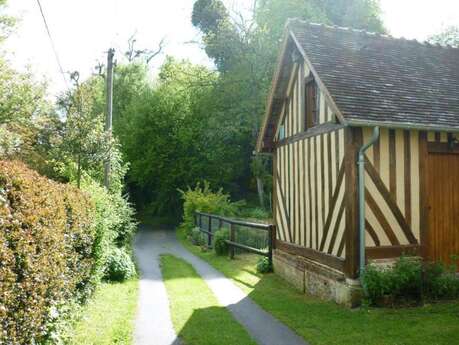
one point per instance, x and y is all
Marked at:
(377, 78)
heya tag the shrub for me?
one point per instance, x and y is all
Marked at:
(258, 213)
(219, 238)
(46, 251)
(377, 283)
(203, 199)
(119, 265)
(409, 280)
(114, 224)
(263, 265)
(196, 237)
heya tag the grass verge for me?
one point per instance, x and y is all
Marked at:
(196, 314)
(325, 323)
(108, 318)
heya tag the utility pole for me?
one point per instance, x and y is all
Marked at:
(108, 119)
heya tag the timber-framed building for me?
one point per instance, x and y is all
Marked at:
(335, 90)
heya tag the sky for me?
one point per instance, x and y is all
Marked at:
(83, 30)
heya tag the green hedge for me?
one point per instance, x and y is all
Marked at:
(47, 244)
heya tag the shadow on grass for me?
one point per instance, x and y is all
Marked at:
(196, 315)
(325, 323)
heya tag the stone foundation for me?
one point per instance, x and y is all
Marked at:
(317, 279)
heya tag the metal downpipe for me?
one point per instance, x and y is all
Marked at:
(361, 165)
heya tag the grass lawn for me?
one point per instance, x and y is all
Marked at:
(325, 323)
(196, 315)
(108, 318)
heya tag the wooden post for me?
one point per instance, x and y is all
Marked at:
(232, 239)
(220, 223)
(352, 143)
(200, 221)
(423, 198)
(209, 236)
(271, 241)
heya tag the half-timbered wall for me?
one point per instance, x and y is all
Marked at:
(310, 193)
(292, 116)
(392, 188)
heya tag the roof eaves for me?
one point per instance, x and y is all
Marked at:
(318, 80)
(403, 125)
(269, 103)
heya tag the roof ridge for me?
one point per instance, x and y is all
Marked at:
(369, 33)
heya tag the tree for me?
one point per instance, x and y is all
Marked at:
(245, 51)
(85, 144)
(449, 36)
(6, 22)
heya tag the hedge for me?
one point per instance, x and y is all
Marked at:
(46, 251)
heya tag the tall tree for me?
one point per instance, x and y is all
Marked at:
(449, 36)
(245, 50)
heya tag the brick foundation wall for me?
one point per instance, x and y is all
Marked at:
(311, 277)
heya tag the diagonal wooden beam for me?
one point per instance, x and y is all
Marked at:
(390, 202)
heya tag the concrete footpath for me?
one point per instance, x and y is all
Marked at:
(153, 323)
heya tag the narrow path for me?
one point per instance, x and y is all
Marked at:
(262, 326)
(153, 325)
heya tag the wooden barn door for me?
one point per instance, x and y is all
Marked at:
(443, 204)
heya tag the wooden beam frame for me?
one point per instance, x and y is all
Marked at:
(352, 142)
(387, 252)
(423, 200)
(312, 254)
(312, 132)
(437, 147)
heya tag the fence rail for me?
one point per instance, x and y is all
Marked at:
(270, 229)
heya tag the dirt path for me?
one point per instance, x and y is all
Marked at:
(154, 317)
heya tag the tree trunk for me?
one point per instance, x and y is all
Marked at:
(79, 172)
(261, 192)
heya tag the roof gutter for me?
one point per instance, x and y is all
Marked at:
(387, 124)
(361, 164)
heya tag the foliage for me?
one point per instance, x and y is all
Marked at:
(257, 213)
(196, 237)
(219, 242)
(449, 36)
(263, 265)
(29, 126)
(203, 199)
(119, 265)
(409, 280)
(85, 141)
(46, 250)
(6, 22)
(196, 314)
(114, 224)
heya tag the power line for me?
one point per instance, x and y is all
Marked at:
(52, 43)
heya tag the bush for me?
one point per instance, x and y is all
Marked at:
(409, 280)
(119, 265)
(257, 213)
(219, 238)
(196, 237)
(114, 224)
(46, 251)
(263, 265)
(203, 199)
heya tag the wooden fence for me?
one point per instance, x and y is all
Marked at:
(215, 222)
